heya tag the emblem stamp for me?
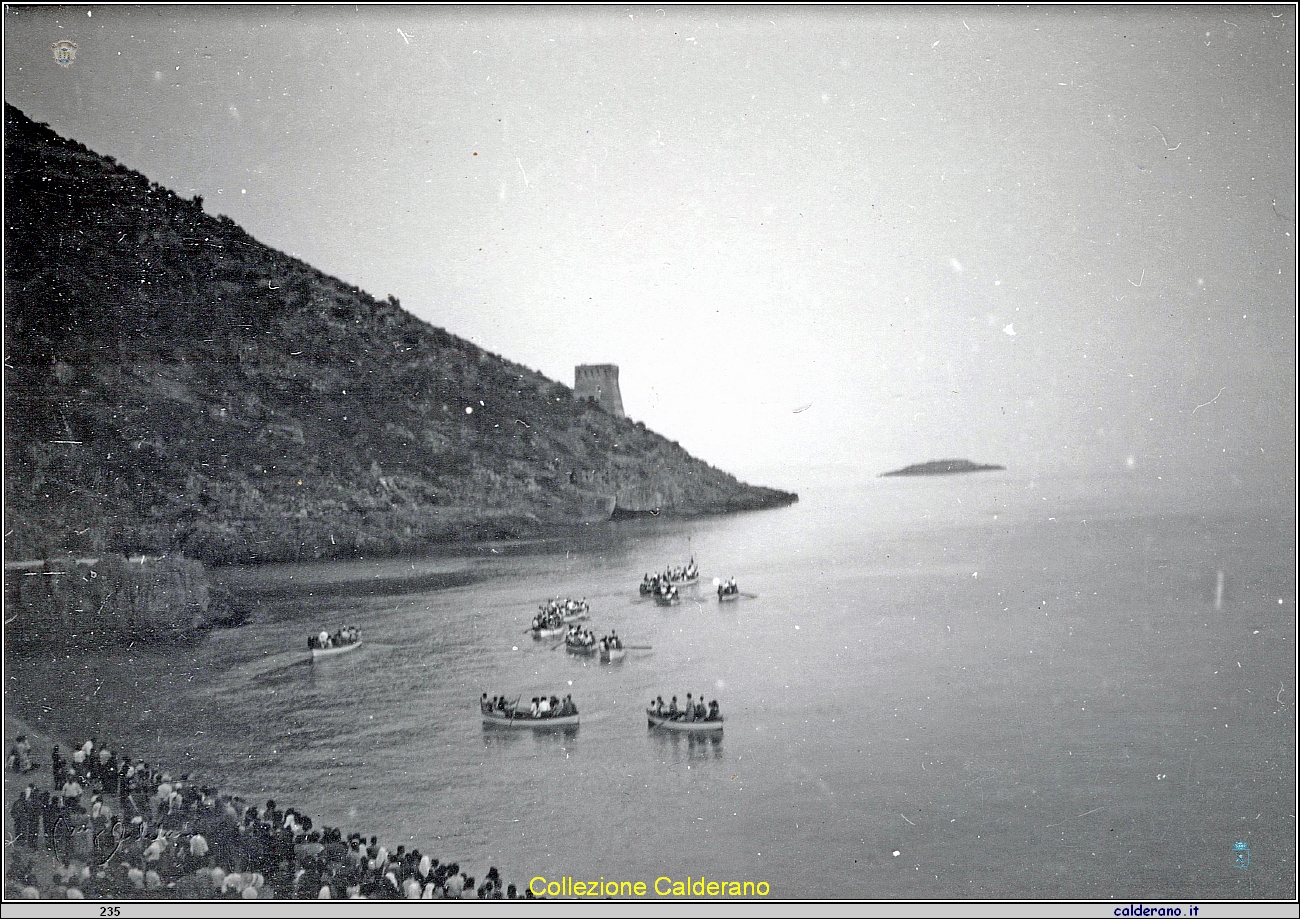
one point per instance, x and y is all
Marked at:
(1242, 853)
(65, 52)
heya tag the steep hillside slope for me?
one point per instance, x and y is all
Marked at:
(173, 385)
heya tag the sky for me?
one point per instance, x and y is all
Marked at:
(1061, 239)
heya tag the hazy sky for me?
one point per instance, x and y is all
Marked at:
(1053, 238)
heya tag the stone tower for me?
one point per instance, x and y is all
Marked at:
(599, 383)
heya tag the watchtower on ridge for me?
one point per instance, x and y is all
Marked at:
(598, 383)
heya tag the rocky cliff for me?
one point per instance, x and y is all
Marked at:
(172, 385)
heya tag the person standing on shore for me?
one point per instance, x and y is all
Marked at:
(25, 814)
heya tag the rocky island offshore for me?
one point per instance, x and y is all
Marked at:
(174, 386)
(942, 467)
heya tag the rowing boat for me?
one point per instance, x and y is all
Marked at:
(668, 601)
(611, 655)
(550, 633)
(580, 649)
(317, 653)
(525, 720)
(686, 582)
(689, 727)
(723, 598)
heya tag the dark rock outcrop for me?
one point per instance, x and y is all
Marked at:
(942, 467)
(88, 602)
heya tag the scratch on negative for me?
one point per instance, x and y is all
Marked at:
(521, 171)
(910, 823)
(1141, 279)
(1212, 401)
(1280, 687)
(1084, 814)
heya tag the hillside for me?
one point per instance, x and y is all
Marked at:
(174, 385)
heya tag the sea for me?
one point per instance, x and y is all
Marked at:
(982, 686)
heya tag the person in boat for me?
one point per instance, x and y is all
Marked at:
(614, 641)
(715, 713)
(555, 705)
(672, 709)
(544, 707)
(659, 705)
(484, 705)
(532, 710)
(701, 710)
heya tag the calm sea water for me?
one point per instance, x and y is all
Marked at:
(974, 687)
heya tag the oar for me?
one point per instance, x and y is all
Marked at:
(637, 648)
(747, 594)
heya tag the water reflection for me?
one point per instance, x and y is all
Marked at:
(563, 737)
(678, 744)
(497, 737)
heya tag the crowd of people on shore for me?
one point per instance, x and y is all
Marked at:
(540, 707)
(118, 828)
(693, 710)
(348, 635)
(20, 756)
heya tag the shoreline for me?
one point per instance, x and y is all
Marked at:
(43, 867)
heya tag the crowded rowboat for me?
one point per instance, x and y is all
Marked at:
(694, 716)
(566, 609)
(611, 648)
(580, 640)
(324, 644)
(727, 590)
(667, 595)
(543, 713)
(673, 576)
(553, 617)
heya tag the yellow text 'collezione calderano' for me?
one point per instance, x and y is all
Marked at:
(662, 887)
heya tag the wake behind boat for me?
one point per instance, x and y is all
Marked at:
(324, 644)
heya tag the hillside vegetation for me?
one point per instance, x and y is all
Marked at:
(172, 385)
